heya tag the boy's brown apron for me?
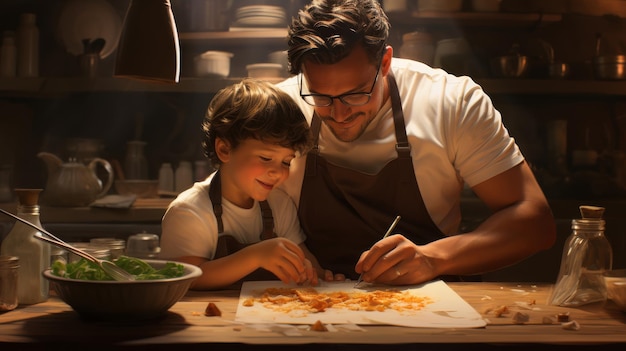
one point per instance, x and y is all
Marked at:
(344, 212)
(227, 244)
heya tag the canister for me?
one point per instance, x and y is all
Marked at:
(117, 247)
(418, 46)
(8, 282)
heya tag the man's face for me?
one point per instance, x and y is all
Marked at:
(353, 74)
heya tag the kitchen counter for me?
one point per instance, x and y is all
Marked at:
(54, 324)
(152, 210)
(142, 210)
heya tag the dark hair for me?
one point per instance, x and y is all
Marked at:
(254, 109)
(326, 31)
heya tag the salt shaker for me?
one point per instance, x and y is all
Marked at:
(587, 254)
(166, 177)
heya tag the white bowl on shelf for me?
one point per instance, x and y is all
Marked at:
(213, 64)
(265, 70)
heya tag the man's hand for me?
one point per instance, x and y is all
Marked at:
(395, 260)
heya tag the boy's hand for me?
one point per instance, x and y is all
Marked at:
(285, 259)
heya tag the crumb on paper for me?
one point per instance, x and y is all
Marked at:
(572, 325)
(249, 302)
(212, 310)
(318, 326)
(520, 318)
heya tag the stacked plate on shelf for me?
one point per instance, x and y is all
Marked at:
(260, 16)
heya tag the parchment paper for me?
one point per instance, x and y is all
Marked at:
(448, 309)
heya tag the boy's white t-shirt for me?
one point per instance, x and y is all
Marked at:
(189, 226)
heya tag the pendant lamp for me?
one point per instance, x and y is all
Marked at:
(148, 49)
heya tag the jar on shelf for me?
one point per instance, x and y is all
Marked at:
(183, 177)
(166, 177)
(9, 266)
(8, 55)
(418, 46)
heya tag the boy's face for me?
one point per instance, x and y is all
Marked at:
(252, 170)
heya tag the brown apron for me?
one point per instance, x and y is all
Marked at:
(344, 212)
(227, 244)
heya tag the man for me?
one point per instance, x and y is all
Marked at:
(396, 137)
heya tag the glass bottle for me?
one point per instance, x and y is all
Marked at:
(587, 254)
(34, 255)
(8, 55)
(135, 164)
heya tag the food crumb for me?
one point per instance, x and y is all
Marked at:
(498, 312)
(318, 326)
(249, 302)
(212, 310)
(520, 318)
(196, 313)
(573, 325)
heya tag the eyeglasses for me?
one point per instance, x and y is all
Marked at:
(349, 99)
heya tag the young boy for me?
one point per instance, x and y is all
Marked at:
(252, 132)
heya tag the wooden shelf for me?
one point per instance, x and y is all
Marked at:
(236, 38)
(473, 19)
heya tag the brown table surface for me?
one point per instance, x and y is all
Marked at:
(53, 323)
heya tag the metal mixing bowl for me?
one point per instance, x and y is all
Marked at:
(510, 66)
(611, 67)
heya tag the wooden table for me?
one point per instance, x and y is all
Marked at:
(54, 324)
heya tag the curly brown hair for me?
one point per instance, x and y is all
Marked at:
(326, 31)
(254, 109)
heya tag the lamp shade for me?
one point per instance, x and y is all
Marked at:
(148, 49)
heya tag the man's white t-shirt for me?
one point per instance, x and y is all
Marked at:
(189, 226)
(456, 137)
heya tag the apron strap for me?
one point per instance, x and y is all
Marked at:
(402, 142)
(215, 194)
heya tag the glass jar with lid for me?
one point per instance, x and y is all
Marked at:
(587, 254)
(8, 282)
